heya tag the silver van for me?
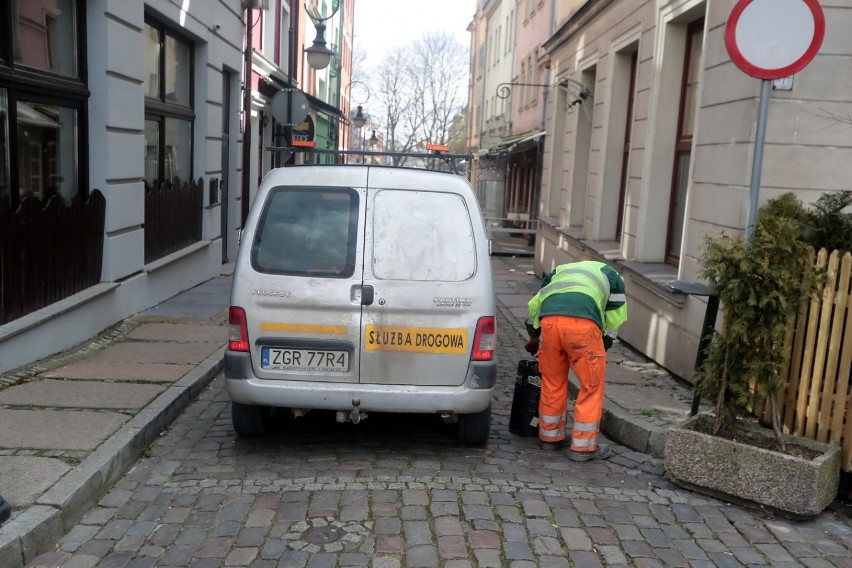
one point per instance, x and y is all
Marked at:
(360, 289)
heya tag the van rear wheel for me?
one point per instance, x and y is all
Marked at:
(474, 428)
(249, 420)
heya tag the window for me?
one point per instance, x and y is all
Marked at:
(307, 232)
(683, 145)
(43, 99)
(269, 24)
(625, 154)
(168, 106)
(439, 222)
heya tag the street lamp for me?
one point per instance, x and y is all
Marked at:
(319, 55)
(373, 141)
(359, 119)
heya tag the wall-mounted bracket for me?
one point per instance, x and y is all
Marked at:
(504, 90)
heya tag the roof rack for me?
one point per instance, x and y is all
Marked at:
(452, 160)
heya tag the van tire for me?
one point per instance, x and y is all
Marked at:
(250, 421)
(474, 428)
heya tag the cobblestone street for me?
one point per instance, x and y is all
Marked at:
(400, 490)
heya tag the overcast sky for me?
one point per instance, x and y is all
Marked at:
(381, 25)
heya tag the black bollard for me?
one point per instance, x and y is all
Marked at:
(707, 328)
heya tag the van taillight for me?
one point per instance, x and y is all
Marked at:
(484, 340)
(237, 330)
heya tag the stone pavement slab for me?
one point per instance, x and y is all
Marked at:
(155, 352)
(618, 374)
(203, 302)
(57, 429)
(80, 394)
(24, 478)
(151, 372)
(639, 397)
(180, 332)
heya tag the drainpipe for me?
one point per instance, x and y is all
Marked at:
(246, 189)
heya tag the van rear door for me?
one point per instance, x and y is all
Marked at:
(307, 264)
(421, 264)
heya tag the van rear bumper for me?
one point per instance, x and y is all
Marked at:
(472, 396)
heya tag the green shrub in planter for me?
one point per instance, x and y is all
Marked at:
(826, 223)
(762, 284)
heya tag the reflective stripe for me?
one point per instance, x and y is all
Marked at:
(601, 280)
(559, 286)
(585, 426)
(618, 298)
(558, 433)
(580, 443)
(551, 418)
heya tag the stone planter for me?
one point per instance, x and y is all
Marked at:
(753, 476)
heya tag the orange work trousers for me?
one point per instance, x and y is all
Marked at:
(575, 343)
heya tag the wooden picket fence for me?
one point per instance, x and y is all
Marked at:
(819, 391)
(49, 251)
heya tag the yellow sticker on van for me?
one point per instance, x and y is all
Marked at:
(415, 339)
(303, 328)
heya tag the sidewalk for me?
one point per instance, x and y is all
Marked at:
(72, 424)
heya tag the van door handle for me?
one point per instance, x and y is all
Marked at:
(367, 295)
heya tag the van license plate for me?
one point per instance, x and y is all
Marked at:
(289, 359)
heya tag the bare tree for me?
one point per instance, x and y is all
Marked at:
(422, 91)
(439, 69)
(396, 94)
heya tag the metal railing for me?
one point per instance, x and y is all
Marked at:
(512, 226)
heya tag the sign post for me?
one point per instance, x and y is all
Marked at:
(771, 39)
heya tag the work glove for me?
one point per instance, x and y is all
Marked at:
(532, 331)
(532, 346)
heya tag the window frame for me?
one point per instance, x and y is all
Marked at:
(683, 142)
(625, 153)
(27, 84)
(159, 110)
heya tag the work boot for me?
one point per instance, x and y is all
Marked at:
(600, 453)
(551, 446)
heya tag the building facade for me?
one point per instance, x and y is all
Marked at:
(641, 140)
(127, 111)
(127, 164)
(660, 156)
(510, 90)
(279, 65)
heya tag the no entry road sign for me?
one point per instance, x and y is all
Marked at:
(773, 39)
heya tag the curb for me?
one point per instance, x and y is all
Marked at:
(42, 525)
(626, 428)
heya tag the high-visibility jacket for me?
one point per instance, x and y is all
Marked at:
(587, 289)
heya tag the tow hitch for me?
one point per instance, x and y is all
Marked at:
(354, 416)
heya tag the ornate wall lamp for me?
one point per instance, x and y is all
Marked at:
(358, 118)
(318, 54)
(504, 90)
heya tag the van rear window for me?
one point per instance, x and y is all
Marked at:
(423, 236)
(307, 232)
